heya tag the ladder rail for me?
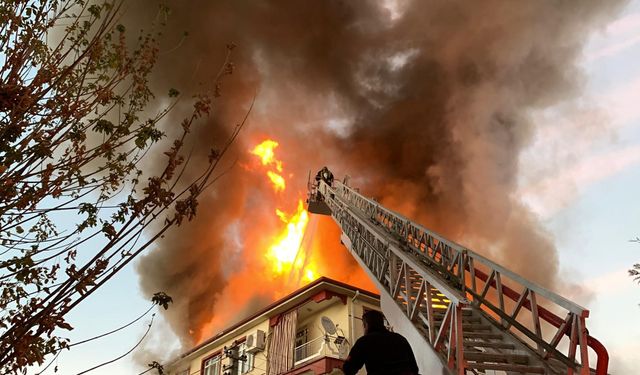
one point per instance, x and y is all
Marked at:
(416, 231)
(399, 276)
(404, 257)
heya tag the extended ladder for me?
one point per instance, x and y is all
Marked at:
(475, 315)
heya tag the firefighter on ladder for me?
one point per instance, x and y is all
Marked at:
(325, 175)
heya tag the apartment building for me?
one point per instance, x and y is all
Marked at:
(307, 332)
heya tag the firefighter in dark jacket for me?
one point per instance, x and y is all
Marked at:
(381, 351)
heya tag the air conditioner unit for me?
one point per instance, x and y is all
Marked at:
(256, 341)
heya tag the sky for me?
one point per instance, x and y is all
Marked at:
(580, 175)
(589, 201)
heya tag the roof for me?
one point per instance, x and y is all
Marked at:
(281, 301)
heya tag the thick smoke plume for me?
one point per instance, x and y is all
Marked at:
(426, 104)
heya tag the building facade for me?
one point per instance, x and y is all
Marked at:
(308, 332)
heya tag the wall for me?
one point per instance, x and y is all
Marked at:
(341, 314)
(337, 312)
(260, 362)
(358, 306)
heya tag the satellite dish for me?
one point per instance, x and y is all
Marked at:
(328, 325)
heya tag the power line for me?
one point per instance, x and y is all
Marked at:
(125, 354)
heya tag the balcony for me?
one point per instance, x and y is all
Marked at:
(317, 356)
(323, 346)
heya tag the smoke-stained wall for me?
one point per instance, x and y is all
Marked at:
(426, 104)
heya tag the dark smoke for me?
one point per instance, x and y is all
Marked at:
(427, 106)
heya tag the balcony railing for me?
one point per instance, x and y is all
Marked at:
(316, 348)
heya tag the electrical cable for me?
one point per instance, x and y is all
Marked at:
(125, 354)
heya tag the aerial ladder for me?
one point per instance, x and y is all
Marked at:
(462, 313)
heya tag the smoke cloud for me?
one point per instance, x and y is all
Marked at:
(426, 104)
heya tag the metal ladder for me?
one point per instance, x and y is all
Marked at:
(477, 316)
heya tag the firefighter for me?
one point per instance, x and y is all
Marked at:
(381, 351)
(325, 175)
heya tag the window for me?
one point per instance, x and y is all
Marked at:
(245, 359)
(212, 366)
(302, 337)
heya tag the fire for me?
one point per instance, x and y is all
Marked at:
(265, 151)
(285, 251)
(310, 275)
(286, 254)
(276, 180)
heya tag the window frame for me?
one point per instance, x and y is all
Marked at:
(301, 352)
(212, 357)
(242, 350)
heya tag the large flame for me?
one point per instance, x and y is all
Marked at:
(285, 248)
(286, 254)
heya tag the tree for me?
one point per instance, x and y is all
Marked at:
(635, 270)
(74, 129)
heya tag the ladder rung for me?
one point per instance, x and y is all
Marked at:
(475, 327)
(487, 344)
(520, 359)
(482, 335)
(507, 367)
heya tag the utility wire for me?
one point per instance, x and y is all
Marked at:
(96, 337)
(125, 354)
(113, 331)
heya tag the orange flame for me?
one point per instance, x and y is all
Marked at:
(265, 151)
(285, 254)
(285, 251)
(284, 257)
(276, 180)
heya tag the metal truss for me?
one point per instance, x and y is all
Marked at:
(458, 299)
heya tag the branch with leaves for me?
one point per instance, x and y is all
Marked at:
(634, 272)
(74, 130)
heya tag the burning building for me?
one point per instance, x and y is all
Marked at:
(308, 331)
(427, 103)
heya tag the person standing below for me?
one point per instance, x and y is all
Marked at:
(381, 351)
